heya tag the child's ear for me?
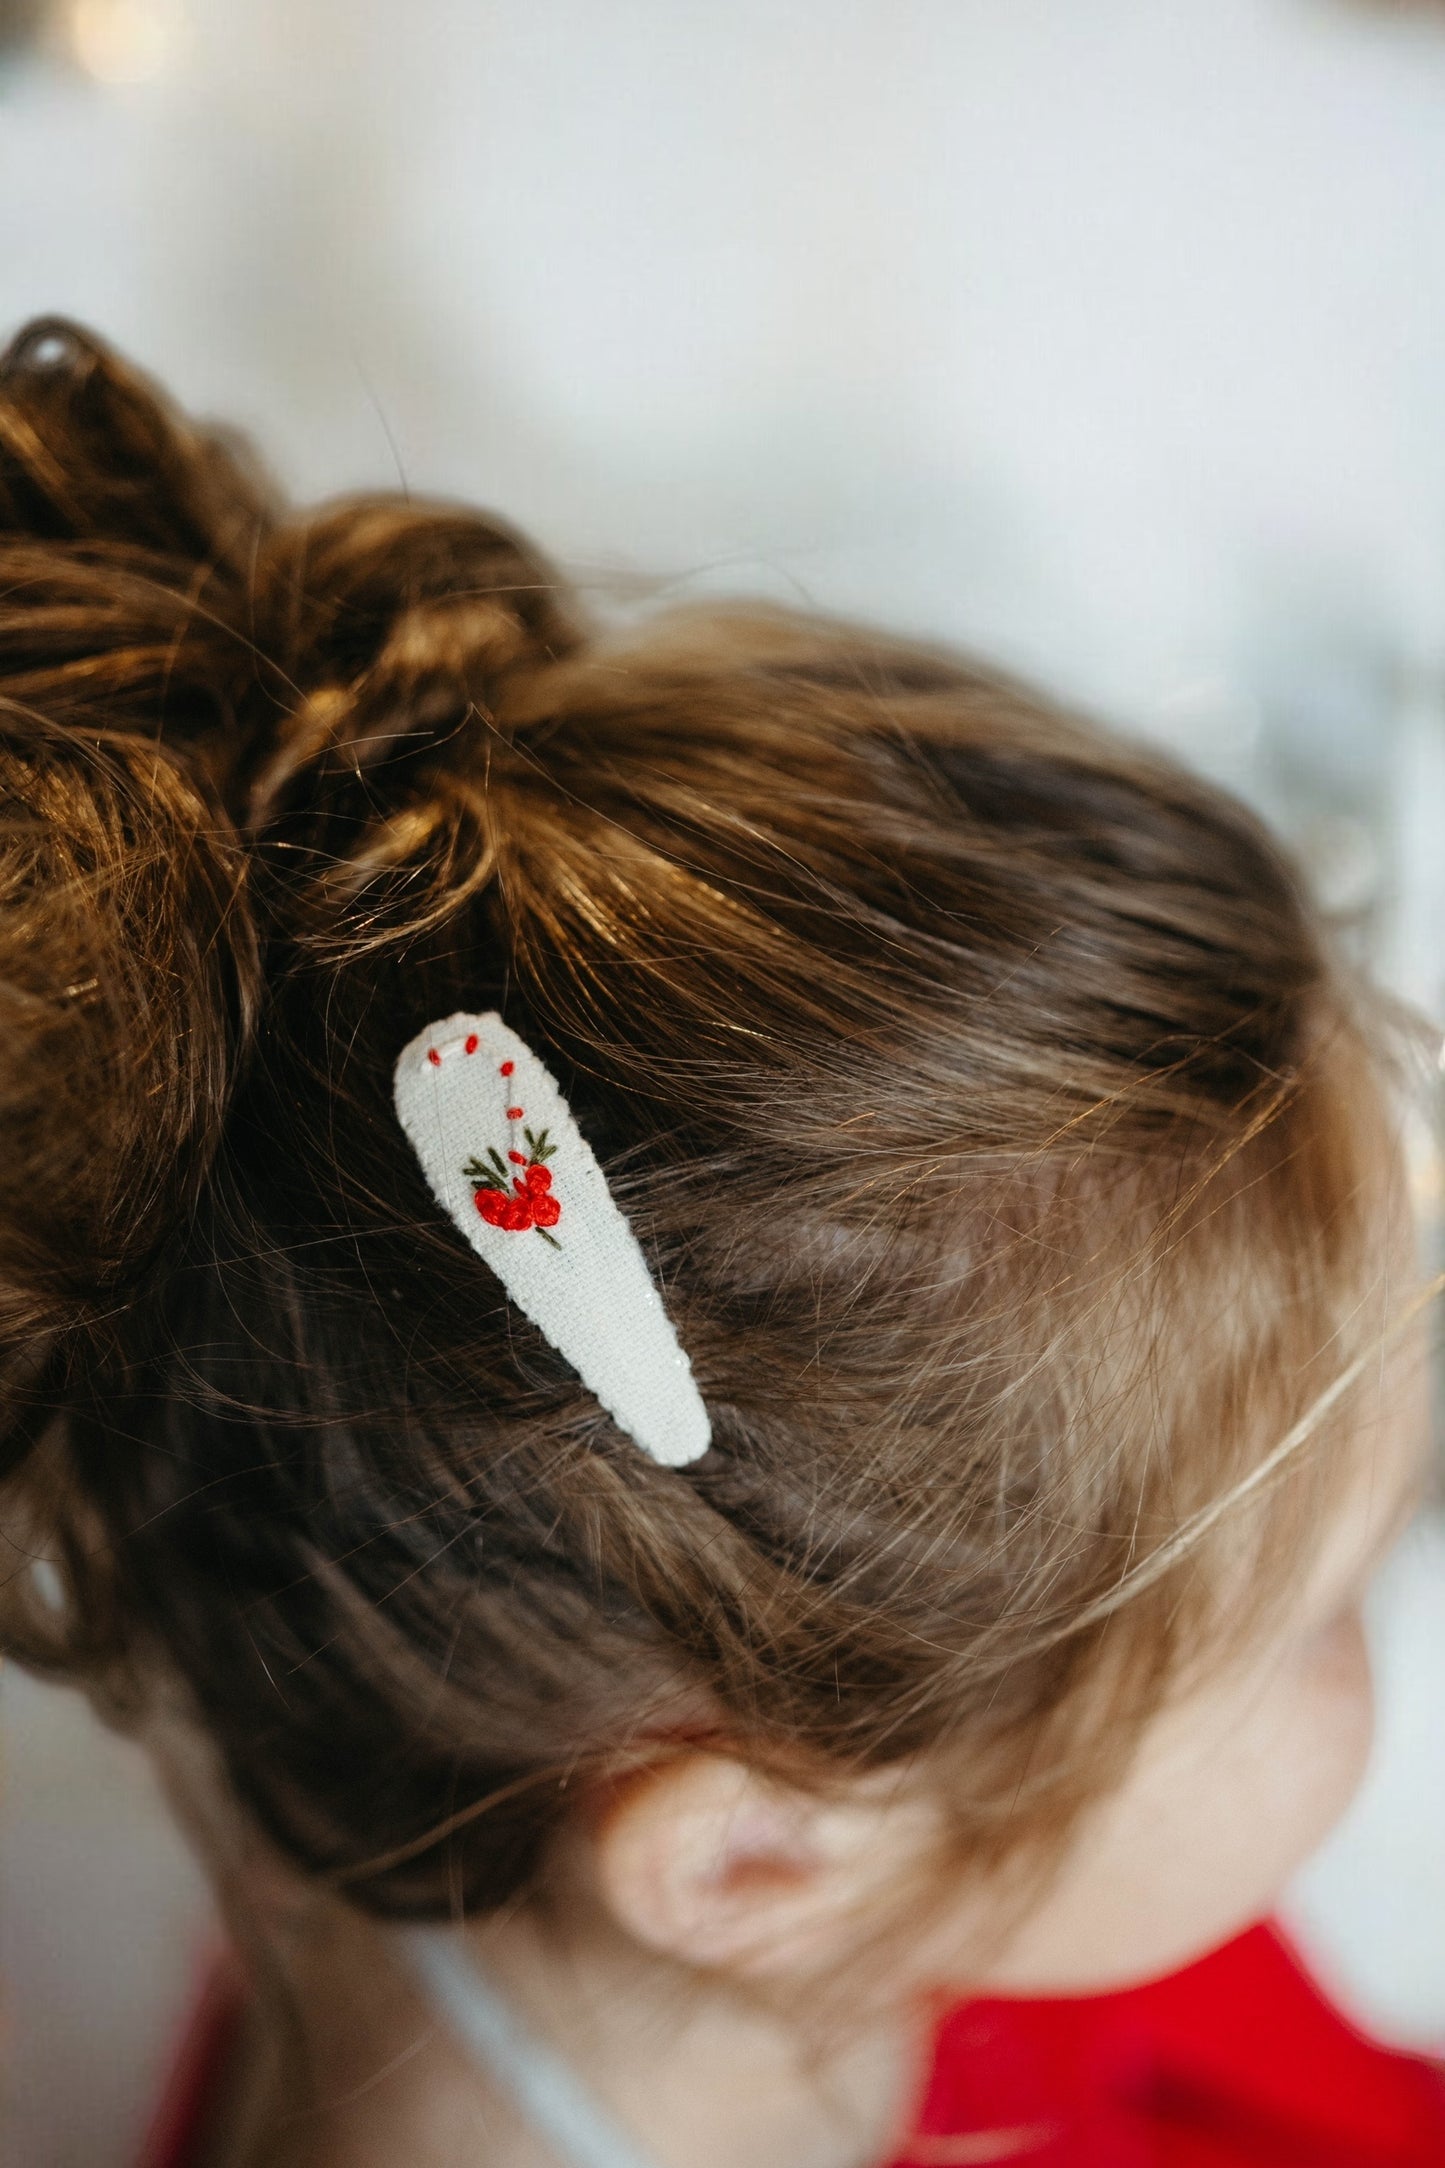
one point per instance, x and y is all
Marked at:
(712, 1863)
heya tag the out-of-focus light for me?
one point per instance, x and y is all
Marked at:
(123, 41)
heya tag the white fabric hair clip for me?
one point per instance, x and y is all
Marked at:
(505, 1159)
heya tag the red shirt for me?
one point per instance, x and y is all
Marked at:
(1236, 2062)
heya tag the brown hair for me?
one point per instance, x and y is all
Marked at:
(979, 1085)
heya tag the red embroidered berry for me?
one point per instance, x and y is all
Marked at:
(518, 1159)
(506, 1068)
(500, 1210)
(538, 1177)
(433, 1055)
(545, 1209)
(514, 1114)
(471, 1042)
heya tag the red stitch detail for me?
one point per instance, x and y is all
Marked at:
(471, 1042)
(433, 1055)
(514, 1114)
(529, 1204)
(506, 1068)
(499, 1210)
(518, 1159)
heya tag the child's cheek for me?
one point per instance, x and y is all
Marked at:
(1232, 1795)
(1339, 1687)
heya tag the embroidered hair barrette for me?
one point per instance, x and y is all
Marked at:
(504, 1157)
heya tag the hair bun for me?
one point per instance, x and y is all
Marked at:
(334, 682)
(390, 626)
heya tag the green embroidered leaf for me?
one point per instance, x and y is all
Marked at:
(493, 1172)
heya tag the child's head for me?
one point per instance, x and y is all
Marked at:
(1005, 1136)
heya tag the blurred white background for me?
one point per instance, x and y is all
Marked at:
(1107, 335)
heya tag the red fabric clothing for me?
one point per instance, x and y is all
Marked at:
(1238, 2061)
(183, 2125)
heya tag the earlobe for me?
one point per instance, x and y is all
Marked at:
(706, 1861)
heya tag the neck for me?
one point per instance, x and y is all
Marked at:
(697, 2076)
